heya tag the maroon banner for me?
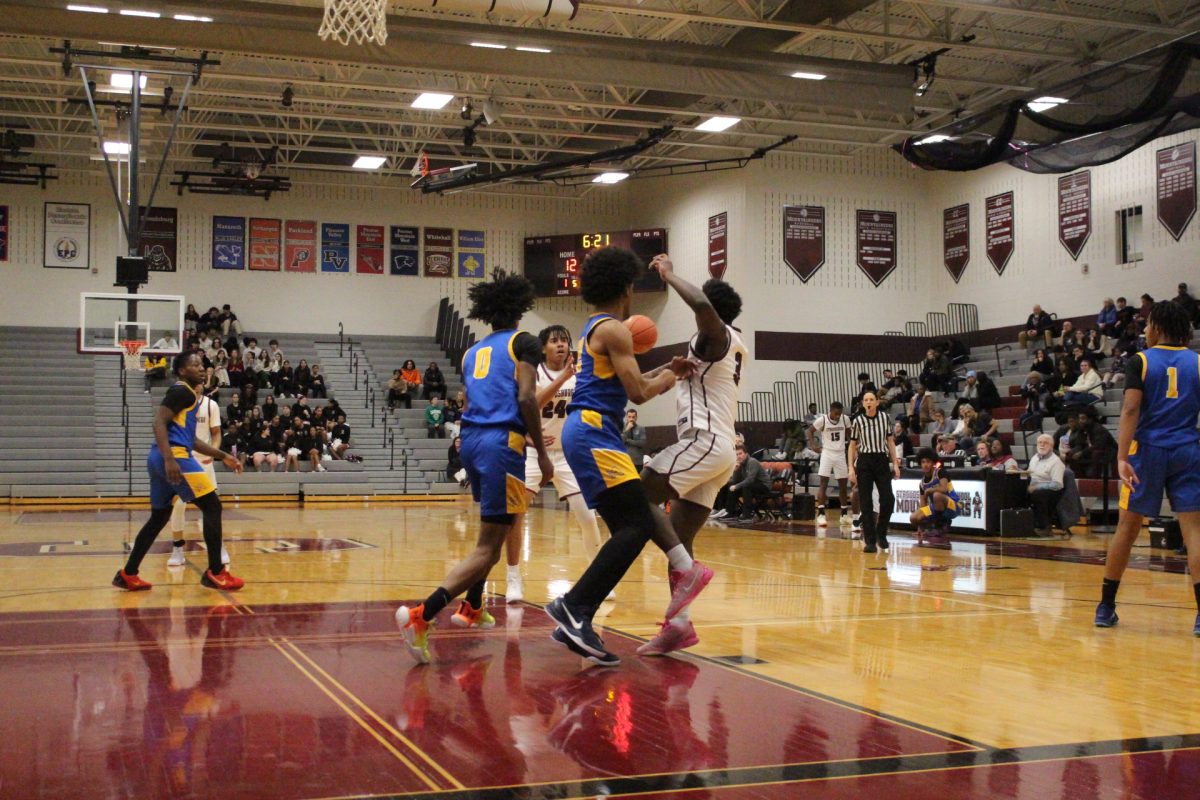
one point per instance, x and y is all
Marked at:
(956, 239)
(804, 240)
(300, 245)
(1176, 187)
(876, 236)
(1075, 211)
(718, 244)
(1000, 227)
(439, 252)
(369, 253)
(264, 244)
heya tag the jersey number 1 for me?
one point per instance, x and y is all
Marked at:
(1172, 382)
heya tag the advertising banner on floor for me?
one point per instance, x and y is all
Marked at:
(406, 250)
(1176, 182)
(335, 247)
(159, 240)
(67, 235)
(971, 502)
(1000, 229)
(956, 239)
(718, 245)
(228, 242)
(300, 245)
(470, 254)
(264, 244)
(439, 252)
(1075, 211)
(804, 240)
(876, 238)
(368, 255)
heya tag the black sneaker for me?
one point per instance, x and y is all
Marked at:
(869, 549)
(883, 544)
(577, 626)
(607, 660)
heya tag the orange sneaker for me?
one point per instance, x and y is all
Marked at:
(130, 583)
(416, 631)
(225, 580)
(467, 617)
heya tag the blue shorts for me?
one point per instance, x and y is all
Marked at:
(596, 453)
(494, 459)
(1175, 469)
(195, 483)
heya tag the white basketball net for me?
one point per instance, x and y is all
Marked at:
(357, 20)
(133, 354)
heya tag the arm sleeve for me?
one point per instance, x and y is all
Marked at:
(1133, 372)
(179, 398)
(527, 348)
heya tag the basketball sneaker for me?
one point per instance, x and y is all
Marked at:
(468, 617)
(821, 521)
(130, 583)
(1106, 615)
(844, 521)
(415, 630)
(719, 513)
(177, 559)
(577, 626)
(606, 660)
(673, 635)
(856, 525)
(686, 587)
(225, 580)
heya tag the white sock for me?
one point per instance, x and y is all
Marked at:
(514, 571)
(586, 518)
(679, 558)
(177, 518)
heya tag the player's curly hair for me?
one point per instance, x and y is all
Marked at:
(607, 274)
(181, 359)
(926, 453)
(545, 334)
(725, 301)
(1172, 320)
(502, 301)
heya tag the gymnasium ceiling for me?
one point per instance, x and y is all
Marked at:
(618, 69)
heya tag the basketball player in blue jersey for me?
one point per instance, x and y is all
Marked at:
(608, 377)
(174, 471)
(939, 502)
(1157, 448)
(500, 377)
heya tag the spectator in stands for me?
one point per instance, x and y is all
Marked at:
(1036, 398)
(957, 352)
(435, 419)
(209, 320)
(811, 416)
(273, 351)
(236, 369)
(1093, 343)
(339, 437)
(251, 351)
(749, 483)
(155, 367)
(454, 409)
(254, 419)
(454, 465)
(333, 408)
(434, 381)
(1042, 363)
(791, 442)
(923, 407)
(944, 426)
(264, 375)
(1106, 320)
(1002, 457)
(1087, 389)
(1038, 327)
(983, 454)
(1116, 369)
(316, 386)
(411, 376)
(191, 318)
(865, 384)
(1046, 475)
(1098, 450)
(1188, 303)
(263, 451)
(229, 321)
(211, 387)
(269, 408)
(948, 446)
(301, 409)
(1062, 378)
(285, 380)
(989, 395)
(1067, 339)
(900, 434)
(1069, 435)
(968, 394)
(220, 373)
(976, 425)
(1125, 313)
(1131, 339)
(319, 416)
(302, 378)
(235, 412)
(397, 391)
(634, 437)
(936, 373)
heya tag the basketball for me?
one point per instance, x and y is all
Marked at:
(645, 333)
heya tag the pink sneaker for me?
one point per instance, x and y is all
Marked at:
(686, 587)
(670, 637)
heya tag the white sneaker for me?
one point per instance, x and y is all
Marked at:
(718, 514)
(515, 592)
(844, 521)
(177, 559)
(821, 521)
(321, 468)
(857, 525)
(224, 555)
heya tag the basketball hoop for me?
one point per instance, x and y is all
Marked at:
(133, 354)
(359, 20)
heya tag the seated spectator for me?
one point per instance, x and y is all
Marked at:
(900, 435)
(865, 384)
(234, 441)
(318, 416)
(1143, 313)
(1098, 451)
(749, 483)
(302, 378)
(957, 351)
(1046, 475)
(254, 419)
(454, 409)
(251, 351)
(634, 437)
(1039, 327)
(316, 385)
(1187, 302)
(411, 376)
(1068, 338)
(333, 408)
(976, 425)
(1116, 369)
(1036, 402)
(983, 454)
(1131, 339)
(269, 408)
(1070, 435)
(1078, 355)
(1106, 320)
(1093, 342)
(936, 373)
(948, 446)
(945, 426)
(235, 412)
(165, 342)
(810, 416)
(285, 380)
(1087, 389)
(1002, 457)
(920, 417)
(263, 451)
(339, 437)
(397, 391)
(1125, 313)
(209, 320)
(791, 442)
(435, 419)
(236, 369)
(1042, 363)
(220, 373)
(211, 387)
(265, 375)
(1062, 378)
(229, 321)
(302, 410)
(989, 395)
(968, 393)
(434, 382)
(155, 367)
(454, 464)
(191, 317)
(274, 354)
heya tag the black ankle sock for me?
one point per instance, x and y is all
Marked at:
(1196, 591)
(435, 603)
(1109, 592)
(475, 594)
(178, 542)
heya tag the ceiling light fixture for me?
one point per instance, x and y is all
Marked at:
(133, 12)
(124, 81)
(718, 124)
(809, 76)
(89, 9)
(490, 45)
(432, 100)
(370, 162)
(116, 148)
(610, 177)
(1045, 103)
(192, 18)
(527, 49)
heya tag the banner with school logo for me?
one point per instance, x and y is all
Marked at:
(368, 255)
(470, 254)
(406, 250)
(335, 247)
(300, 245)
(159, 239)
(67, 238)
(264, 244)
(229, 243)
(3, 233)
(439, 250)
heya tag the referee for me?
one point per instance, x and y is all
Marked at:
(873, 462)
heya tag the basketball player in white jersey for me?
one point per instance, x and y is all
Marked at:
(208, 430)
(692, 471)
(834, 429)
(555, 386)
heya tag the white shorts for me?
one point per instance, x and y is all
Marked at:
(698, 467)
(833, 465)
(563, 480)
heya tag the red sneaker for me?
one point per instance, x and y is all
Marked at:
(226, 580)
(130, 583)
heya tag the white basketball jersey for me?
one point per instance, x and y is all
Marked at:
(208, 416)
(554, 412)
(834, 434)
(707, 401)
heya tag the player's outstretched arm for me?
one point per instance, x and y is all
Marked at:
(544, 396)
(713, 337)
(616, 342)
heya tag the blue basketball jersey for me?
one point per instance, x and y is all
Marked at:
(1170, 396)
(490, 376)
(935, 480)
(597, 387)
(181, 430)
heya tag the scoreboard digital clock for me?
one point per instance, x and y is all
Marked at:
(552, 263)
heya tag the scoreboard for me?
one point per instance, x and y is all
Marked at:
(553, 263)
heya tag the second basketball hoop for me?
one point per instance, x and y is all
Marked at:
(360, 21)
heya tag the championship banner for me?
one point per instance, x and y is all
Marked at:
(470, 254)
(876, 238)
(159, 239)
(1176, 180)
(300, 245)
(264, 244)
(335, 247)
(1075, 211)
(439, 251)
(1000, 226)
(3, 233)
(229, 243)
(368, 255)
(804, 240)
(66, 242)
(718, 245)
(406, 250)
(956, 239)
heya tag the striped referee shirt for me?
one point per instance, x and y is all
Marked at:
(871, 433)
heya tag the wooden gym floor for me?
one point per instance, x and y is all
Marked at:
(963, 671)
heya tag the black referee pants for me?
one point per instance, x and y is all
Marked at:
(874, 471)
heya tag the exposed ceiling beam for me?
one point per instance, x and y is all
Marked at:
(1121, 22)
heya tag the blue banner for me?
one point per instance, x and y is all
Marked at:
(335, 247)
(229, 243)
(406, 250)
(470, 240)
(470, 265)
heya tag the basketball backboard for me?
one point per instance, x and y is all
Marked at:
(106, 319)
